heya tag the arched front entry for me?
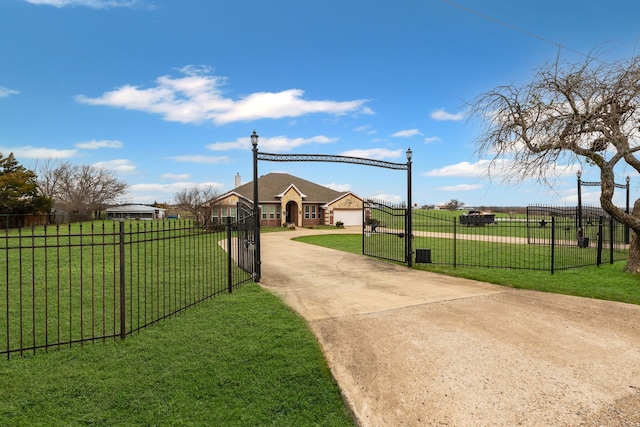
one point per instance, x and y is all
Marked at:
(292, 213)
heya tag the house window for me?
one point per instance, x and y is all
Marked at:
(313, 212)
(272, 211)
(306, 212)
(264, 212)
(226, 212)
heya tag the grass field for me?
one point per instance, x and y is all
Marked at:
(238, 360)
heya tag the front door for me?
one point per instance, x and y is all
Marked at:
(292, 213)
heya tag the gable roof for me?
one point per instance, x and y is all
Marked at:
(273, 185)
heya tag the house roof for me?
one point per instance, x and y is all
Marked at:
(272, 186)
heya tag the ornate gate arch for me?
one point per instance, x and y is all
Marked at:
(331, 159)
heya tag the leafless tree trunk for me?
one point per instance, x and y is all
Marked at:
(576, 114)
(195, 200)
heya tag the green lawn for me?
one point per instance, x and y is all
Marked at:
(241, 359)
(608, 282)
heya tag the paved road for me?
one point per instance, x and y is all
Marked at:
(411, 348)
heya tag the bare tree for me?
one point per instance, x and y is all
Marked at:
(195, 200)
(583, 113)
(83, 190)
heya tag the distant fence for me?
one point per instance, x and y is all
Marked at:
(547, 238)
(85, 282)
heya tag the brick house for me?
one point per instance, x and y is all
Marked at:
(287, 199)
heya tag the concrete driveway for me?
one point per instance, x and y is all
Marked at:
(411, 348)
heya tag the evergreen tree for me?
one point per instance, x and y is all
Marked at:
(19, 191)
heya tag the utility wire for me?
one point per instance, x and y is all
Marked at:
(512, 27)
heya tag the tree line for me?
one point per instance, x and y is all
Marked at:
(79, 191)
(72, 192)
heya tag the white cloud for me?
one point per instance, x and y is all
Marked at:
(200, 159)
(96, 4)
(374, 153)
(121, 166)
(276, 143)
(431, 139)
(467, 169)
(5, 92)
(29, 152)
(338, 187)
(461, 187)
(366, 129)
(175, 176)
(196, 97)
(499, 168)
(442, 115)
(406, 133)
(94, 144)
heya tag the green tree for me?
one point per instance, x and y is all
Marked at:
(19, 191)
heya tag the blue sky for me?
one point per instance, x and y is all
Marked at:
(166, 93)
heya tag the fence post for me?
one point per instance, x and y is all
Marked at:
(229, 256)
(599, 256)
(455, 238)
(553, 244)
(612, 238)
(123, 328)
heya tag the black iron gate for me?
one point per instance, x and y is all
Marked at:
(245, 230)
(385, 231)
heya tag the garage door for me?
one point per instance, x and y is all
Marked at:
(348, 217)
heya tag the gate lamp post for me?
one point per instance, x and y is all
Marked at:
(409, 230)
(580, 235)
(256, 206)
(626, 227)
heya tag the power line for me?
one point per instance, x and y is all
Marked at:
(512, 27)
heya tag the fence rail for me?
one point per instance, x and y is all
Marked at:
(86, 282)
(546, 239)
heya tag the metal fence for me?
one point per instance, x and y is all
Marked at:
(547, 238)
(79, 283)
(385, 231)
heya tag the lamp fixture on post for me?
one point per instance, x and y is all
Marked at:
(628, 181)
(256, 206)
